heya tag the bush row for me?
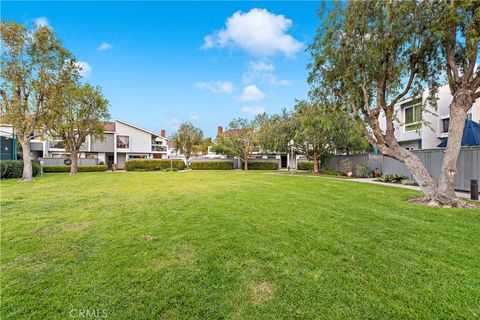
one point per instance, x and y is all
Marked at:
(261, 165)
(308, 165)
(10, 169)
(153, 165)
(212, 165)
(56, 169)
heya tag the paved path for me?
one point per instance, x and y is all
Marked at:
(465, 195)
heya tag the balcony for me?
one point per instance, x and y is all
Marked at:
(159, 147)
(57, 144)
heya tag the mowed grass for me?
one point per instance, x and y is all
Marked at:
(232, 245)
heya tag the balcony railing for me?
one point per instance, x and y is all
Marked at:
(157, 147)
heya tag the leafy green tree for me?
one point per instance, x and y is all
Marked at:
(371, 54)
(276, 131)
(322, 130)
(81, 110)
(33, 64)
(202, 148)
(458, 24)
(239, 140)
(187, 139)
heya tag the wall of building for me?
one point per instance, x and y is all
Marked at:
(139, 141)
(431, 132)
(103, 146)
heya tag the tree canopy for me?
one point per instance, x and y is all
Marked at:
(187, 138)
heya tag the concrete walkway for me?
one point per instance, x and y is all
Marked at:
(465, 195)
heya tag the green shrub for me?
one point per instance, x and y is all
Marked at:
(308, 166)
(211, 165)
(153, 165)
(10, 169)
(362, 171)
(261, 165)
(392, 178)
(331, 172)
(58, 169)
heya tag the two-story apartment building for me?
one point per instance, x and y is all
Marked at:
(419, 125)
(122, 141)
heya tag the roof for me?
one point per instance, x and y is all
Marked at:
(471, 135)
(133, 126)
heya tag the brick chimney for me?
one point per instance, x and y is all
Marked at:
(219, 130)
(162, 133)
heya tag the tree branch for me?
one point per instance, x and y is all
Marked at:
(413, 71)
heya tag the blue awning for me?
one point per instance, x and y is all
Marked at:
(471, 135)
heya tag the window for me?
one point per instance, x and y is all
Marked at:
(137, 156)
(123, 142)
(413, 117)
(445, 125)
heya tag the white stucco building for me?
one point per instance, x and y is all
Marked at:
(122, 141)
(417, 128)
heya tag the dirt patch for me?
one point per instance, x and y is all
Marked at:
(149, 237)
(184, 255)
(262, 292)
(78, 226)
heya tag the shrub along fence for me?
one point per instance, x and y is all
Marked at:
(154, 165)
(263, 164)
(212, 165)
(64, 168)
(13, 169)
(468, 165)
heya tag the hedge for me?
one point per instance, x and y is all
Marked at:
(261, 165)
(57, 169)
(308, 165)
(153, 165)
(10, 169)
(211, 165)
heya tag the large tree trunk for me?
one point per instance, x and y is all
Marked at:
(461, 103)
(315, 160)
(425, 181)
(245, 163)
(421, 175)
(27, 174)
(74, 165)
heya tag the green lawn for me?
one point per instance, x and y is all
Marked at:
(236, 245)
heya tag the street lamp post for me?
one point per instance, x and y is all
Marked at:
(291, 143)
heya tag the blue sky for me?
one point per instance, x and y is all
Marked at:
(161, 63)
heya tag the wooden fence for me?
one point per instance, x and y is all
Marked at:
(468, 165)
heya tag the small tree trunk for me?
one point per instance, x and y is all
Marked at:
(245, 164)
(27, 174)
(74, 165)
(315, 160)
(461, 103)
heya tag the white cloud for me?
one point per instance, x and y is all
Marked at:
(193, 117)
(258, 66)
(263, 71)
(253, 110)
(216, 86)
(104, 46)
(252, 93)
(85, 68)
(258, 31)
(173, 122)
(41, 22)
